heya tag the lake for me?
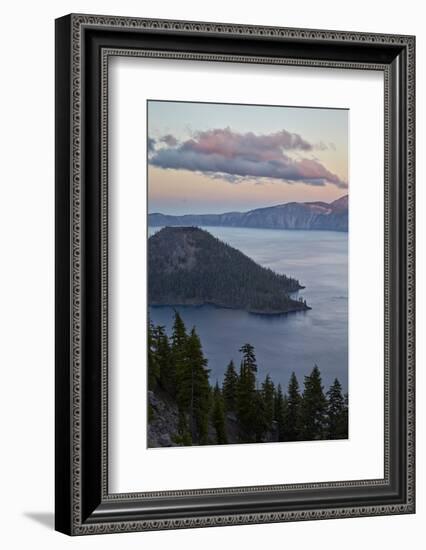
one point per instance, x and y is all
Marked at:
(283, 343)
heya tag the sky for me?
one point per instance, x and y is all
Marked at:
(215, 157)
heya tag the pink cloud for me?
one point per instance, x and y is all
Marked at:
(234, 156)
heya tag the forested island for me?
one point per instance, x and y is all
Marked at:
(189, 266)
(185, 409)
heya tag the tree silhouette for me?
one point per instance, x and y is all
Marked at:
(336, 411)
(280, 408)
(314, 408)
(246, 395)
(153, 364)
(163, 353)
(218, 416)
(177, 368)
(230, 385)
(268, 394)
(292, 414)
(193, 388)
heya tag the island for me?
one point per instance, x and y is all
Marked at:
(187, 266)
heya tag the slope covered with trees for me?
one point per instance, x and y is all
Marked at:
(240, 410)
(188, 266)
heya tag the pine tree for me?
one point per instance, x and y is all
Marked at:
(167, 377)
(246, 395)
(153, 365)
(345, 420)
(279, 410)
(268, 394)
(218, 416)
(283, 433)
(179, 340)
(229, 387)
(314, 408)
(180, 367)
(259, 417)
(343, 424)
(336, 410)
(179, 335)
(292, 416)
(194, 389)
(249, 357)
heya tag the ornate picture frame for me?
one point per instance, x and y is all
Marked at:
(84, 45)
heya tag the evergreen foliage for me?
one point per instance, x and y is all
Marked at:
(162, 350)
(218, 416)
(313, 413)
(153, 363)
(246, 396)
(197, 388)
(260, 426)
(188, 266)
(177, 366)
(280, 408)
(268, 396)
(230, 386)
(337, 412)
(292, 410)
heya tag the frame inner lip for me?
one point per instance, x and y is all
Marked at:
(106, 53)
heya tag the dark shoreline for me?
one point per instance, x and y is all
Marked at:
(220, 306)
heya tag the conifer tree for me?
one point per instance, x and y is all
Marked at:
(292, 417)
(346, 414)
(153, 366)
(246, 394)
(194, 389)
(218, 416)
(229, 387)
(313, 408)
(179, 335)
(343, 424)
(178, 347)
(249, 357)
(167, 369)
(268, 394)
(336, 412)
(178, 358)
(279, 410)
(259, 421)
(282, 433)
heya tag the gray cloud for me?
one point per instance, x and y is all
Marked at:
(151, 145)
(169, 140)
(237, 156)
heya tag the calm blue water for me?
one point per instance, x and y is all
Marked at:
(296, 341)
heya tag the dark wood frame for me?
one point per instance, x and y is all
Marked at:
(83, 46)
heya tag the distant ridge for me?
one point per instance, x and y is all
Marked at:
(188, 266)
(292, 215)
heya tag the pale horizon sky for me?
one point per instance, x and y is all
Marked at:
(213, 158)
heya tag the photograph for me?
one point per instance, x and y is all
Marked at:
(247, 260)
(234, 275)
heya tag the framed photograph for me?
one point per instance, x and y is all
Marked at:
(234, 274)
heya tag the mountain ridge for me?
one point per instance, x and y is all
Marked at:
(315, 215)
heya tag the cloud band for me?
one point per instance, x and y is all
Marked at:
(236, 156)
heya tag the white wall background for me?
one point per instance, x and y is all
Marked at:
(26, 289)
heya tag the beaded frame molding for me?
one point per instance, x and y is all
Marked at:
(84, 44)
